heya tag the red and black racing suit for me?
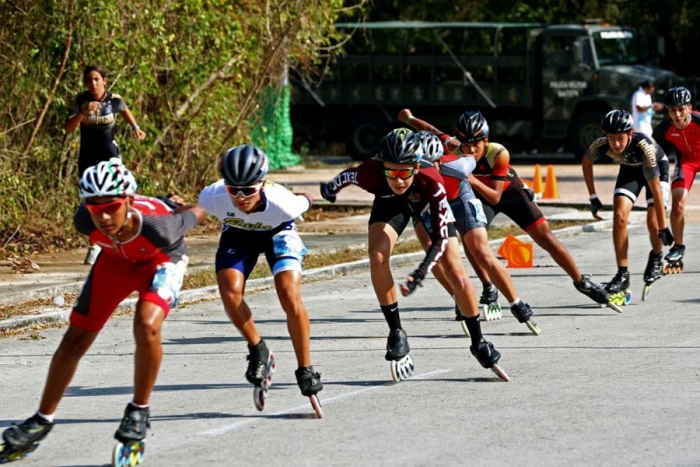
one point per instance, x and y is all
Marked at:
(684, 145)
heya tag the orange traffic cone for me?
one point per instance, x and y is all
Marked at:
(520, 255)
(504, 249)
(527, 183)
(537, 182)
(551, 191)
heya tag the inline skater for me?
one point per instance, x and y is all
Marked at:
(499, 189)
(470, 219)
(94, 112)
(679, 137)
(143, 251)
(643, 164)
(403, 189)
(258, 217)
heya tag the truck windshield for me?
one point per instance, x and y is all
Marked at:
(617, 47)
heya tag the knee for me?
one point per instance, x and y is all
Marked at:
(231, 297)
(146, 330)
(678, 206)
(620, 218)
(378, 258)
(73, 347)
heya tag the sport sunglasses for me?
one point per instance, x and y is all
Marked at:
(403, 174)
(105, 208)
(245, 191)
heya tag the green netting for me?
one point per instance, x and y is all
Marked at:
(271, 127)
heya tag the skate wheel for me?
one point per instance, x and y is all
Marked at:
(271, 363)
(485, 312)
(134, 455)
(500, 373)
(316, 404)
(394, 371)
(627, 298)
(534, 328)
(118, 455)
(259, 398)
(614, 307)
(664, 269)
(465, 329)
(645, 292)
(402, 369)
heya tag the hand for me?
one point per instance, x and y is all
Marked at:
(172, 200)
(666, 236)
(90, 108)
(658, 107)
(327, 192)
(596, 205)
(414, 280)
(140, 134)
(404, 115)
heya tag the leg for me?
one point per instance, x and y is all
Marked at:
(455, 273)
(543, 236)
(477, 243)
(149, 351)
(75, 343)
(679, 196)
(479, 269)
(288, 286)
(653, 228)
(231, 287)
(622, 206)
(382, 238)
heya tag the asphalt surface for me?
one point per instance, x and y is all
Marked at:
(595, 388)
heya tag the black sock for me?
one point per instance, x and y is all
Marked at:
(474, 328)
(487, 285)
(622, 269)
(391, 315)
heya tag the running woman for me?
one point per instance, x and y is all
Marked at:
(143, 251)
(679, 137)
(403, 189)
(94, 111)
(643, 164)
(470, 219)
(499, 189)
(258, 217)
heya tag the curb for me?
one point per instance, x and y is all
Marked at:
(61, 315)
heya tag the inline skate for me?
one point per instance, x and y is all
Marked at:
(20, 441)
(261, 367)
(674, 260)
(523, 314)
(130, 449)
(398, 355)
(310, 384)
(488, 357)
(618, 289)
(595, 292)
(652, 273)
(489, 303)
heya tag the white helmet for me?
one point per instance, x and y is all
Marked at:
(431, 146)
(108, 178)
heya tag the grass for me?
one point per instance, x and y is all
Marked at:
(204, 278)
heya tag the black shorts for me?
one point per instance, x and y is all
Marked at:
(631, 180)
(391, 210)
(516, 204)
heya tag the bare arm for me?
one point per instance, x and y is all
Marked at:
(587, 167)
(74, 122)
(417, 124)
(491, 193)
(140, 134)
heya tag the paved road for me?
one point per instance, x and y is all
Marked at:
(595, 388)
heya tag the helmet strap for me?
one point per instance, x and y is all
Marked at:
(129, 215)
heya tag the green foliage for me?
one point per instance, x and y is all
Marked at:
(190, 71)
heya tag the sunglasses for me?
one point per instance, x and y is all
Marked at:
(105, 208)
(403, 174)
(245, 191)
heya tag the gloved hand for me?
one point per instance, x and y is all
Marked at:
(530, 193)
(666, 236)
(415, 280)
(168, 200)
(327, 192)
(596, 205)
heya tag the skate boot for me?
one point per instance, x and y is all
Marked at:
(674, 260)
(461, 318)
(618, 289)
(398, 355)
(130, 449)
(595, 292)
(652, 273)
(22, 440)
(310, 384)
(488, 357)
(523, 313)
(489, 303)
(261, 367)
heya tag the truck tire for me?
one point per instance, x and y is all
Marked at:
(584, 130)
(366, 130)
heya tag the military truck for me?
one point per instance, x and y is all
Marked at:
(537, 84)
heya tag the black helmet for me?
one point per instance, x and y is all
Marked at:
(400, 146)
(677, 96)
(472, 127)
(617, 121)
(243, 165)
